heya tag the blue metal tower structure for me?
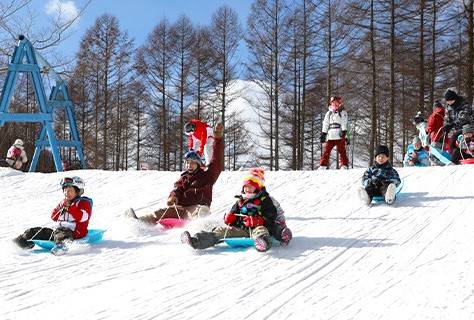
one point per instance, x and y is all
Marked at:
(25, 60)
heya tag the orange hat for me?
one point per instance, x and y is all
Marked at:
(255, 178)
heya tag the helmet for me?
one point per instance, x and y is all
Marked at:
(468, 128)
(18, 143)
(193, 156)
(75, 182)
(189, 128)
(416, 140)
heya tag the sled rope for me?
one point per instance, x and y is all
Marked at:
(50, 236)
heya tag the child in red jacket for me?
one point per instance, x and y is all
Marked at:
(72, 214)
(200, 138)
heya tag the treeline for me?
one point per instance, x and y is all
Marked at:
(388, 59)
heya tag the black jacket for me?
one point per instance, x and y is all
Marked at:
(458, 114)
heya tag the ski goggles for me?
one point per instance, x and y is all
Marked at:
(66, 181)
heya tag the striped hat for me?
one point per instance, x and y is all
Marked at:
(255, 178)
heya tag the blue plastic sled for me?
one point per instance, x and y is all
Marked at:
(441, 155)
(239, 242)
(378, 199)
(93, 236)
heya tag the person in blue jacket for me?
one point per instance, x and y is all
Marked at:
(381, 179)
(416, 155)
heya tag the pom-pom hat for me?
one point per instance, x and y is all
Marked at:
(255, 178)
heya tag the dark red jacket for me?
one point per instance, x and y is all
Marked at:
(435, 123)
(195, 187)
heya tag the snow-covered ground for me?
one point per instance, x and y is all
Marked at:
(412, 260)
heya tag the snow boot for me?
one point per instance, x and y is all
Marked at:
(286, 236)
(187, 239)
(130, 213)
(344, 168)
(23, 243)
(60, 249)
(201, 240)
(390, 193)
(323, 168)
(364, 196)
(263, 243)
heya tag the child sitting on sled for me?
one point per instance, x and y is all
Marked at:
(381, 179)
(416, 155)
(465, 145)
(72, 214)
(254, 215)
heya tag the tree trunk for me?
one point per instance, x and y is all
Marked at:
(374, 84)
(392, 79)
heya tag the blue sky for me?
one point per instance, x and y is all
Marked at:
(139, 17)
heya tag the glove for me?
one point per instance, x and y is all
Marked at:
(230, 218)
(172, 200)
(65, 203)
(253, 221)
(448, 127)
(323, 137)
(218, 130)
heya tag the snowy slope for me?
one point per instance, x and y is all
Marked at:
(412, 260)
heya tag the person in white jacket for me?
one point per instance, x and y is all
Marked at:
(16, 155)
(334, 133)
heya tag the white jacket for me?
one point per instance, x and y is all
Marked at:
(424, 137)
(16, 162)
(334, 123)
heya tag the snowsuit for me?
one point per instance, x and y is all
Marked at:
(378, 177)
(72, 223)
(435, 123)
(261, 205)
(457, 115)
(16, 157)
(419, 157)
(193, 191)
(202, 140)
(335, 129)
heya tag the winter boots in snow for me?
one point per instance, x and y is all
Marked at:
(286, 236)
(364, 196)
(23, 243)
(390, 193)
(130, 213)
(201, 240)
(263, 243)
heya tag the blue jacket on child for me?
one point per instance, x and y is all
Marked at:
(419, 157)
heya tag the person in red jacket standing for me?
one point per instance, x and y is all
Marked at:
(72, 214)
(435, 123)
(200, 138)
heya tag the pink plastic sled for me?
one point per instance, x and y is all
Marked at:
(169, 223)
